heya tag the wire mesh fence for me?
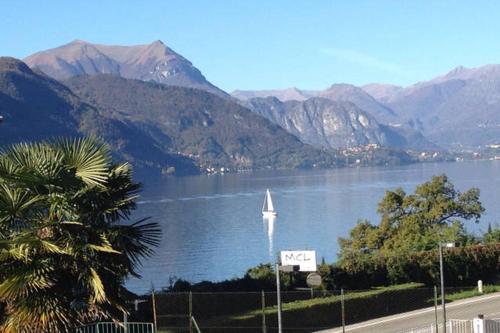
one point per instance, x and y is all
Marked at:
(302, 311)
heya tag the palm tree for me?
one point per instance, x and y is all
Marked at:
(64, 249)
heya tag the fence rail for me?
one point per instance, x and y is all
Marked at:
(452, 326)
(303, 311)
(492, 325)
(460, 326)
(111, 327)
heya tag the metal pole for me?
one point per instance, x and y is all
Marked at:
(278, 296)
(436, 308)
(342, 300)
(443, 302)
(195, 325)
(153, 300)
(190, 312)
(263, 299)
(125, 321)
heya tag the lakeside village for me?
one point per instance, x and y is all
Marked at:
(376, 155)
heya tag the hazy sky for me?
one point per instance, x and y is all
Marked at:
(253, 44)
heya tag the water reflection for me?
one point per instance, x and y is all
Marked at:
(269, 226)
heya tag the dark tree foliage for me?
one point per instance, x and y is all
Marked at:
(435, 213)
(64, 255)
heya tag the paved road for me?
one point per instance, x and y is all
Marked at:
(489, 305)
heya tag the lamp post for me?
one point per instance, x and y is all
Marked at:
(443, 302)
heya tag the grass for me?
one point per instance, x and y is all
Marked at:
(301, 305)
(471, 293)
(309, 303)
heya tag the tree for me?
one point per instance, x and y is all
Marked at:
(416, 222)
(64, 251)
(492, 235)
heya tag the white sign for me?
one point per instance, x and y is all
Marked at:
(305, 259)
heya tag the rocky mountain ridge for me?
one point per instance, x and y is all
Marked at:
(150, 62)
(326, 123)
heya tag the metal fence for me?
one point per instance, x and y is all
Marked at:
(303, 311)
(111, 327)
(452, 326)
(460, 326)
(492, 326)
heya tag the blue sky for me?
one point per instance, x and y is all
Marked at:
(274, 44)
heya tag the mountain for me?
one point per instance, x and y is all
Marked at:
(35, 107)
(336, 92)
(213, 131)
(289, 94)
(31, 104)
(381, 92)
(176, 129)
(331, 124)
(458, 109)
(152, 62)
(356, 95)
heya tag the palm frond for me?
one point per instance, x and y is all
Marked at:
(88, 157)
(64, 256)
(137, 240)
(99, 294)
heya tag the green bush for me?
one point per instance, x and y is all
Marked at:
(463, 266)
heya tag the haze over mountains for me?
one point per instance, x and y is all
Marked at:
(157, 110)
(460, 109)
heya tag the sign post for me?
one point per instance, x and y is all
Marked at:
(303, 261)
(278, 296)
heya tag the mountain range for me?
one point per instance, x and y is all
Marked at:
(156, 109)
(460, 109)
(179, 130)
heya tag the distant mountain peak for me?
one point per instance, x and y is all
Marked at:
(147, 62)
(456, 71)
(158, 42)
(78, 41)
(287, 94)
(336, 85)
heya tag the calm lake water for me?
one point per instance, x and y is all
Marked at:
(213, 227)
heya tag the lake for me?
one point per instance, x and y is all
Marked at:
(213, 227)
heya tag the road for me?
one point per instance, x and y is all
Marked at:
(489, 305)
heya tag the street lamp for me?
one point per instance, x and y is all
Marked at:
(443, 302)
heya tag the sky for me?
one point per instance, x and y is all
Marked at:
(256, 44)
